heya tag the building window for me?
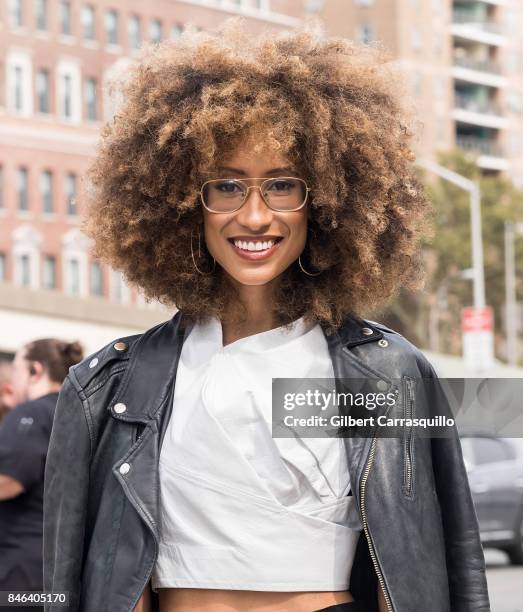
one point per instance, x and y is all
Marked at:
(416, 40)
(90, 99)
(176, 31)
(49, 272)
(88, 22)
(111, 27)
(67, 96)
(43, 91)
(24, 270)
(438, 87)
(73, 276)
(96, 279)
(22, 188)
(3, 266)
(46, 191)
(417, 83)
(438, 43)
(65, 17)
(364, 33)
(69, 90)
(41, 15)
(18, 79)
(134, 31)
(116, 286)
(515, 101)
(19, 86)
(16, 13)
(155, 30)
(70, 193)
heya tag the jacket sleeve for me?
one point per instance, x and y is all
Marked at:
(464, 553)
(66, 484)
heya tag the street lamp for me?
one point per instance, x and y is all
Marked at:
(511, 326)
(475, 223)
(440, 303)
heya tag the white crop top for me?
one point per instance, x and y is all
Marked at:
(239, 508)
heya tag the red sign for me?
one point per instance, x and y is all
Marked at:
(477, 319)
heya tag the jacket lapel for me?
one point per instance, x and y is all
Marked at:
(347, 365)
(146, 392)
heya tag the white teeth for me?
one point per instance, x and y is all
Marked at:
(253, 246)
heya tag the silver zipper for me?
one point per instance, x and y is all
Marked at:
(366, 527)
(408, 440)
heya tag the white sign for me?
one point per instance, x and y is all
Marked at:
(478, 340)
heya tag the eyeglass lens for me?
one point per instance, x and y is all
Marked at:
(281, 194)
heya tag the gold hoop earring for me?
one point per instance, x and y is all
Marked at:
(199, 255)
(305, 271)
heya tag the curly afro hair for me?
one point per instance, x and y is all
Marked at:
(331, 106)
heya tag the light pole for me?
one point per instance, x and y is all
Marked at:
(511, 326)
(475, 223)
(441, 302)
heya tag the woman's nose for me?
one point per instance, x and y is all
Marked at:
(254, 213)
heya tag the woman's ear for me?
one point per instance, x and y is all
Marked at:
(35, 368)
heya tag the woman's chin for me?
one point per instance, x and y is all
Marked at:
(253, 277)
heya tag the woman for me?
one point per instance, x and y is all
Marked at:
(263, 186)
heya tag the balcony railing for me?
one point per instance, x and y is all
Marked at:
(477, 64)
(480, 145)
(477, 21)
(475, 105)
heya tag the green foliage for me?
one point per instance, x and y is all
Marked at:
(450, 249)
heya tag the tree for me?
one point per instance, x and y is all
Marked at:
(438, 307)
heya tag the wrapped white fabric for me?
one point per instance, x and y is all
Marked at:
(240, 509)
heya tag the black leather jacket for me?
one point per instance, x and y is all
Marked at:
(420, 537)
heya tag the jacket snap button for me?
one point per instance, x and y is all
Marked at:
(124, 468)
(382, 385)
(119, 408)
(367, 331)
(93, 363)
(120, 346)
(383, 343)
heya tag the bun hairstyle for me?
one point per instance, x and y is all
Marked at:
(56, 356)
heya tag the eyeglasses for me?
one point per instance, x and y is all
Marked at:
(282, 194)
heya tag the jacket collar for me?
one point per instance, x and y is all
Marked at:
(154, 361)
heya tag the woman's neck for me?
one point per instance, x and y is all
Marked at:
(250, 313)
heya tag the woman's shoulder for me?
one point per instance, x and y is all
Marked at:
(403, 348)
(101, 361)
(114, 356)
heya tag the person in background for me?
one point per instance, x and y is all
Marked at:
(6, 388)
(38, 371)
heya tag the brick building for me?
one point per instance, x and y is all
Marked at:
(462, 61)
(55, 58)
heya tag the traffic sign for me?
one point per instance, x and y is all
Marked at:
(477, 325)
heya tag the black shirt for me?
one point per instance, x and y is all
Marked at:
(24, 440)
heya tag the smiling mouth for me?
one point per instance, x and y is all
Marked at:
(256, 249)
(255, 246)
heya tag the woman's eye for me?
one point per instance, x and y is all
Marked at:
(227, 187)
(281, 186)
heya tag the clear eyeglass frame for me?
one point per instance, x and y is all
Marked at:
(247, 191)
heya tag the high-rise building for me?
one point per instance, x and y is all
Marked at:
(463, 65)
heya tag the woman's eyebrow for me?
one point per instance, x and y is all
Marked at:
(238, 171)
